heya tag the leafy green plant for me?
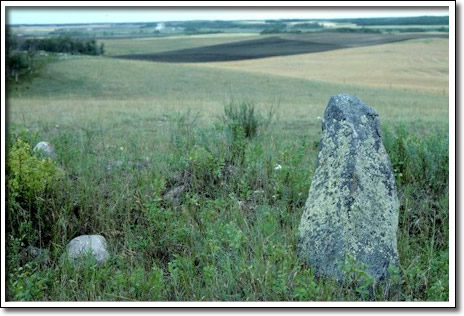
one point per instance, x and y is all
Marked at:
(26, 283)
(28, 175)
(205, 170)
(30, 180)
(358, 279)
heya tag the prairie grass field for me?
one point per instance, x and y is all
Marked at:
(201, 202)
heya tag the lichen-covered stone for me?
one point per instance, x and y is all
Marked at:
(45, 149)
(352, 206)
(85, 245)
(38, 255)
(174, 194)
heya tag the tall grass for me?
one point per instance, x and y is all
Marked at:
(231, 232)
(192, 208)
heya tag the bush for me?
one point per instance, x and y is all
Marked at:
(29, 181)
(17, 64)
(205, 171)
(244, 115)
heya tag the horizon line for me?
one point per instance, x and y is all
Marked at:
(300, 19)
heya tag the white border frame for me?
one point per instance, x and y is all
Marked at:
(452, 152)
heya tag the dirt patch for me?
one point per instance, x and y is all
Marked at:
(275, 46)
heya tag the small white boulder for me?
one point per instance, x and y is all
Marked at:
(84, 245)
(45, 149)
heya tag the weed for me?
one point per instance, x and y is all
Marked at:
(242, 117)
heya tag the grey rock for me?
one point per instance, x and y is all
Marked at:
(45, 150)
(173, 194)
(352, 208)
(34, 254)
(177, 177)
(117, 164)
(82, 246)
(142, 163)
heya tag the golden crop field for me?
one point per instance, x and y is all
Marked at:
(416, 65)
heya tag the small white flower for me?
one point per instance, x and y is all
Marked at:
(57, 126)
(319, 118)
(121, 148)
(277, 167)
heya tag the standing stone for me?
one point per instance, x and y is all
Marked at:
(352, 208)
(84, 245)
(45, 150)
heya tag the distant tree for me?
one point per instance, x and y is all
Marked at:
(17, 63)
(312, 25)
(64, 44)
(417, 20)
(272, 31)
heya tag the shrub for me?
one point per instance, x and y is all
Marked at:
(205, 170)
(243, 114)
(29, 180)
(17, 64)
(27, 283)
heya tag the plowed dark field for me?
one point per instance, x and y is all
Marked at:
(276, 46)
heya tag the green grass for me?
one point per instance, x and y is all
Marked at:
(127, 132)
(86, 86)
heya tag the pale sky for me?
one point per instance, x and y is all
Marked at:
(47, 15)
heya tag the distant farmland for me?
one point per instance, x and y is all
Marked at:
(275, 46)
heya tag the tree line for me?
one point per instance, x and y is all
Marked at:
(22, 58)
(64, 44)
(416, 20)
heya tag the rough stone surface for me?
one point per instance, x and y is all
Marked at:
(31, 253)
(352, 206)
(173, 194)
(45, 150)
(84, 245)
(117, 164)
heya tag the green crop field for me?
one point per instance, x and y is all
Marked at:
(127, 132)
